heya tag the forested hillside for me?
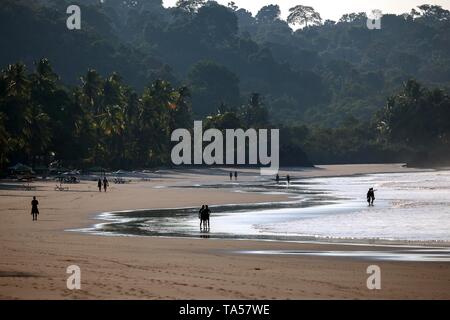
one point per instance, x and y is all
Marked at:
(323, 73)
(111, 93)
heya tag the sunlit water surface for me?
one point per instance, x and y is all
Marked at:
(409, 207)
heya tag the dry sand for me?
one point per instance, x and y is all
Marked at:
(35, 255)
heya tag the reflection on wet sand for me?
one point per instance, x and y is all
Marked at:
(425, 254)
(412, 208)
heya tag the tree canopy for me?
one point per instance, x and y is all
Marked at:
(311, 80)
(304, 15)
(321, 73)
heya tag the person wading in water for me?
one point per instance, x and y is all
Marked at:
(370, 196)
(205, 217)
(34, 208)
(200, 215)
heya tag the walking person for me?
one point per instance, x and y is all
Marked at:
(288, 178)
(105, 183)
(34, 208)
(231, 176)
(99, 185)
(370, 196)
(277, 179)
(235, 175)
(200, 216)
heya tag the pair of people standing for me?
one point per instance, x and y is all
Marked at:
(235, 175)
(204, 214)
(105, 184)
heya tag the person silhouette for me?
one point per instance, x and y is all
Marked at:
(99, 185)
(370, 196)
(206, 215)
(277, 178)
(235, 175)
(231, 175)
(200, 215)
(288, 178)
(34, 208)
(105, 183)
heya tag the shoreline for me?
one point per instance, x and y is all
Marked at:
(111, 218)
(365, 242)
(35, 255)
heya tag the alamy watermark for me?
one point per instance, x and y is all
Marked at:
(73, 22)
(74, 280)
(235, 145)
(374, 280)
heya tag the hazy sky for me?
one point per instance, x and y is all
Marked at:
(334, 9)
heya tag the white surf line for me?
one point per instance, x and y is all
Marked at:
(95, 230)
(422, 255)
(111, 218)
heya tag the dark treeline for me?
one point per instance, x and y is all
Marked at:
(413, 127)
(101, 122)
(104, 122)
(326, 86)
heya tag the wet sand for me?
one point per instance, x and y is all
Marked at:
(35, 255)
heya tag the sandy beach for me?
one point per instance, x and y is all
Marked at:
(35, 255)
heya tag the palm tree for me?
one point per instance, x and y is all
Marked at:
(15, 101)
(180, 109)
(36, 132)
(17, 79)
(92, 101)
(91, 85)
(45, 73)
(4, 142)
(154, 122)
(255, 114)
(113, 119)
